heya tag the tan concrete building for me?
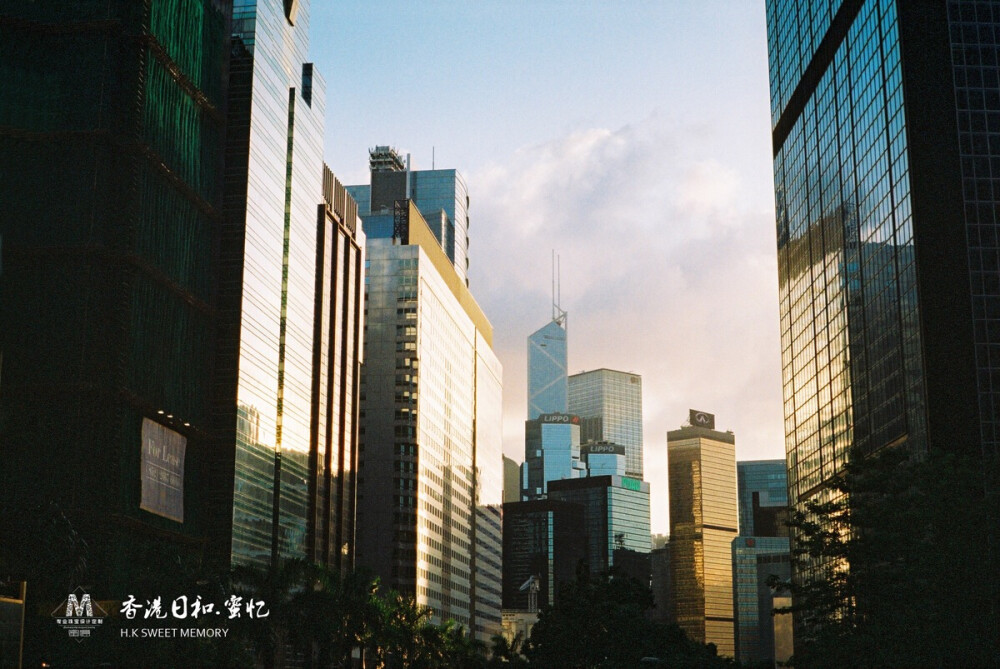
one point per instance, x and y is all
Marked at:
(703, 523)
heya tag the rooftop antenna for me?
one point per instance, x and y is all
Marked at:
(432, 157)
(558, 315)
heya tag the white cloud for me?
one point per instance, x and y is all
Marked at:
(668, 270)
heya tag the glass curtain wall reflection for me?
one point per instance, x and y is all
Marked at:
(609, 404)
(551, 453)
(887, 230)
(337, 333)
(615, 516)
(268, 293)
(547, 369)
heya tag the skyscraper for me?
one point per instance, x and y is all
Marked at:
(190, 313)
(336, 379)
(755, 560)
(441, 196)
(268, 250)
(542, 538)
(603, 458)
(547, 380)
(761, 484)
(703, 523)
(430, 475)
(609, 404)
(111, 139)
(551, 453)
(882, 114)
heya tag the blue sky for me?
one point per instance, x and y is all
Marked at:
(632, 138)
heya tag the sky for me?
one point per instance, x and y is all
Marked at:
(630, 137)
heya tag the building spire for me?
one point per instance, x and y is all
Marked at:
(558, 315)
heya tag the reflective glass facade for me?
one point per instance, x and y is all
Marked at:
(767, 478)
(336, 364)
(604, 459)
(445, 191)
(430, 466)
(884, 115)
(289, 302)
(703, 523)
(609, 404)
(547, 379)
(615, 515)
(847, 278)
(761, 550)
(551, 453)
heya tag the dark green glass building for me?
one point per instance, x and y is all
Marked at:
(181, 296)
(112, 122)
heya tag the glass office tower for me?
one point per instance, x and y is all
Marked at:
(603, 458)
(336, 379)
(755, 560)
(441, 196)
(290, 260)
(609, 404)
(551, 453)
(430, 467)
(882, 114)
(703, 523)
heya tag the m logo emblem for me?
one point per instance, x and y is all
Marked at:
(83, 607)
(79, 615)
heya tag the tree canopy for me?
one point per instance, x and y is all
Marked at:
(896, 566)
(600, 622)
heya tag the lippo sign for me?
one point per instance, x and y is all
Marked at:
(569, 419)
(610, 449)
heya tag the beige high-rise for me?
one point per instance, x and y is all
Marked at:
(703, 523)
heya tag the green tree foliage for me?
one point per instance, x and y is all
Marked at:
(319, 618)
(895, 568)
(508, 654)
(600, 623)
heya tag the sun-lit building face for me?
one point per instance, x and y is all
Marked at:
(703, 523)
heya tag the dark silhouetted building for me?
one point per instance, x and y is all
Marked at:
(761, 551)
(185, 313)
(111, 141)
(660, 583)
(545, 539)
